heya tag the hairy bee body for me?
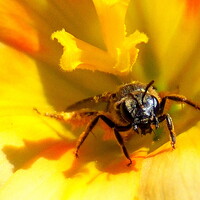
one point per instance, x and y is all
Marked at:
(135, 107)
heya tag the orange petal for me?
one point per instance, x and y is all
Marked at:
(193, 7)
(26, 30)
(15, 26)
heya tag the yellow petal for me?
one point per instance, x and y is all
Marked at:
(6, 169)
(22, 132)
(41, 179)
(53, 176)
(168, 174)
(16, 28)
(100, 184)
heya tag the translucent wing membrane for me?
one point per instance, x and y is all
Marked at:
(98, 102)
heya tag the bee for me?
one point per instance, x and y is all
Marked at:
(133, 107)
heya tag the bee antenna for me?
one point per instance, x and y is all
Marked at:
(146, 89)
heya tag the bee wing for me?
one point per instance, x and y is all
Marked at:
(98, 102)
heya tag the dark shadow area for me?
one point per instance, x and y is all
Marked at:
(107, 157)
(24, 157)
(65, 88)
(147, 55)
(185, 119)
(107, 154)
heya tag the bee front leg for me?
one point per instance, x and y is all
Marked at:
(84, 135)
(170, 128)
(112, 125)
(121, 143)
(89, 128)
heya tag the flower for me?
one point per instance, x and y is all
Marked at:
(37, 160)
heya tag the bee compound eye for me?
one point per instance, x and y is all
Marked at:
(154, 103)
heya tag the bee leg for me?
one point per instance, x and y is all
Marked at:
(89, 128)
(177, 98)
(67, 117)
(119, 138)
(170, 128)
(111, 124)
(84, 135)
(121, 143)
(57, 115)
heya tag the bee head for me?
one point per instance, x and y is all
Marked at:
(140, 108)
